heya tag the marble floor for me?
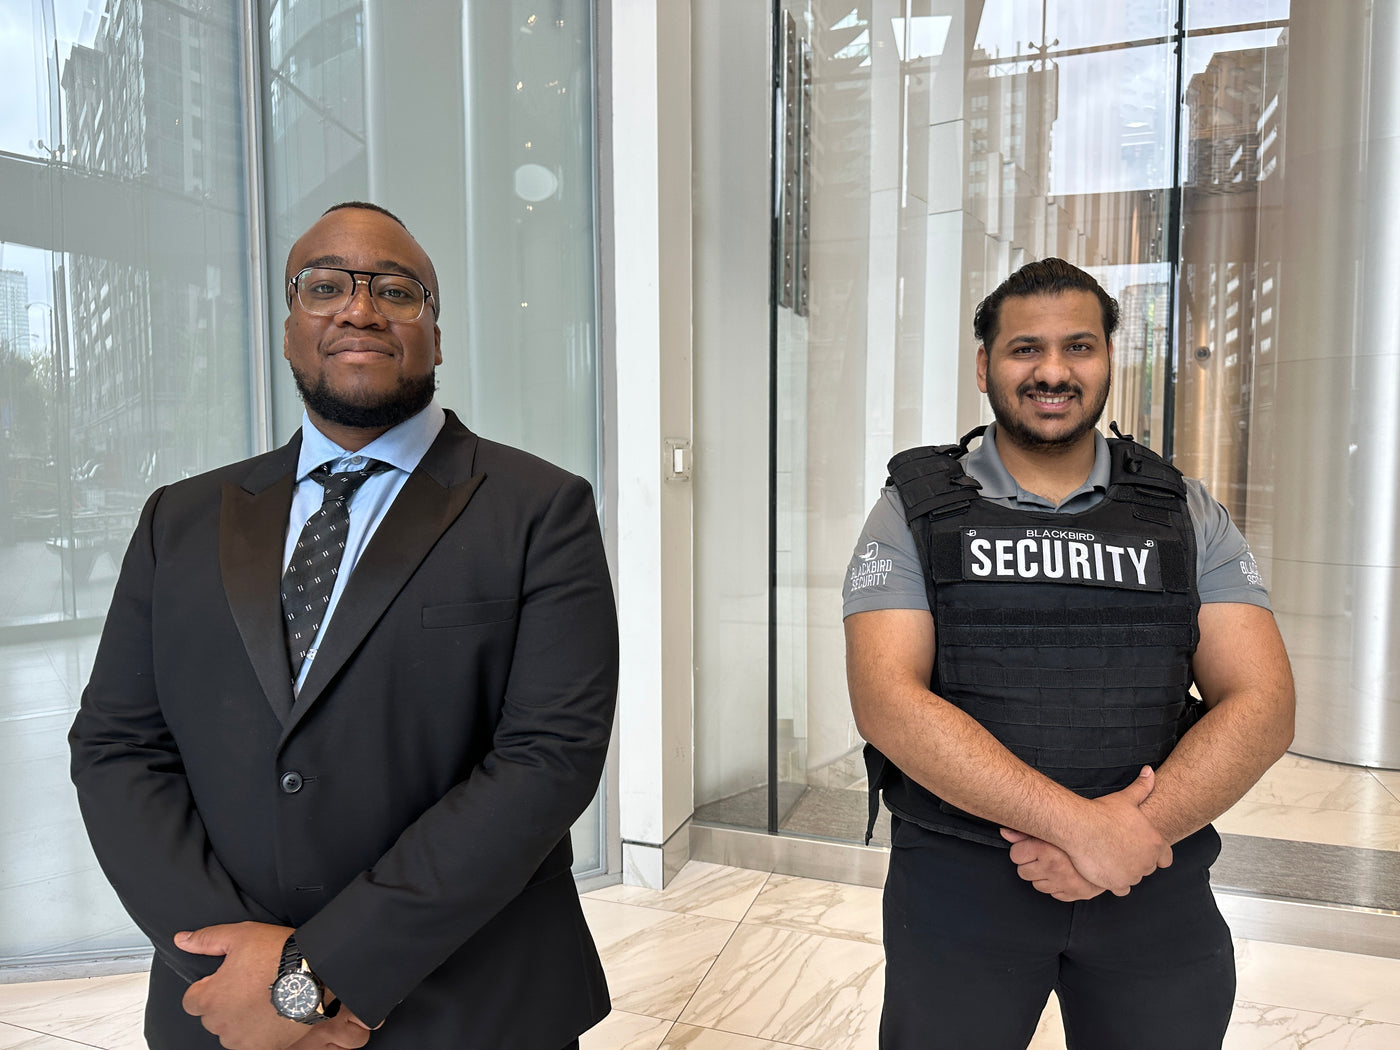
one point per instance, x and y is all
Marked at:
(729, 959)
(1308, 800)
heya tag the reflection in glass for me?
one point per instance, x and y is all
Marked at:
(124, 365)
(944, 154)
(472, 123)
(1228, 295)
(1152, 155)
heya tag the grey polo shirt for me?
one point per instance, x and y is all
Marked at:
(885, 573)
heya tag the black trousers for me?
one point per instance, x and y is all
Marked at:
(972, 953)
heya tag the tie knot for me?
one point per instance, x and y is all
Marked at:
(342, 486)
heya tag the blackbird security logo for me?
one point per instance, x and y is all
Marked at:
(869, 569)
(1249, 569)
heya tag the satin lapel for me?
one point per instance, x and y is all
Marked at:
(252, 534)
(430, 501)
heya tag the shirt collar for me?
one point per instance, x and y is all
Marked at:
(402, 446)
(984, 463)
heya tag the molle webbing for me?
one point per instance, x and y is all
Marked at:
(1157, 494)
(931, 481)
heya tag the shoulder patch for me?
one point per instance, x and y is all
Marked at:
(870, 568)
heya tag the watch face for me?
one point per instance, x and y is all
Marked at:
(295, 995)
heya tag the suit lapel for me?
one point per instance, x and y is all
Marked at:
(252, 535)
(430, 501)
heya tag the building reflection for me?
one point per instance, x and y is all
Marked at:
(146, 377)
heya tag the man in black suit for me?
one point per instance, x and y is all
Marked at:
(368, 811)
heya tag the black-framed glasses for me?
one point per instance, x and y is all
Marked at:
(326, 290)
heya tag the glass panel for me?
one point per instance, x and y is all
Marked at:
(1231, 15)
(1240, 206)
(1009, 28)
(926, 170)
(124, 366)
(473, 123)
(1228, 301)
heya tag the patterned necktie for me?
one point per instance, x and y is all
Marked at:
(310, 575)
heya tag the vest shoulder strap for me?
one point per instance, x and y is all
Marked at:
(1156, 492)
(931, 481)
(1138, 467)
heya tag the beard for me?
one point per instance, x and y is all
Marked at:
(1024, 434)
(407, 399)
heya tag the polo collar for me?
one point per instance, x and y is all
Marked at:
(984, 463)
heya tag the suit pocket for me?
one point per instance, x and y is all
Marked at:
(466, 614)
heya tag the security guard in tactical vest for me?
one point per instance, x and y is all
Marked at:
(1022, 666)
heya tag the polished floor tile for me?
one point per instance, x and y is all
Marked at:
(624, 1031)
(686, 1037)
(1311, 979)
(1255, 1027)
(712, 890)
(97, 1012)
(813, 991)
(1312, 784)
(1388, 779)
(798, 971)
(1333, 827)
(12, 1038)
(812, 906)
(1050, 1032)
(654, 959)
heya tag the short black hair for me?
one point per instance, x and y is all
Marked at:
(432, 270)
(367, 206)
(1044, 277)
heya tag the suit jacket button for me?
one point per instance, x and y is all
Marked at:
(291, 782)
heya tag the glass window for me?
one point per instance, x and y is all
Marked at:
(124, 365)
(1062, 116)
(1251, 246)
(125, 316)
(473, 123)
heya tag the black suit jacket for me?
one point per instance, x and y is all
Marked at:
(453, 726)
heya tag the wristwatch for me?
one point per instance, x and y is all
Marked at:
(296, 992)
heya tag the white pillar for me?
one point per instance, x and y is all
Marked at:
(647, 109)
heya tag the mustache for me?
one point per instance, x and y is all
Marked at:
(1046, 388)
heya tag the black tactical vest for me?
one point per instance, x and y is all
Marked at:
(1067, 636)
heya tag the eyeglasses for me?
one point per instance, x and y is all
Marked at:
(326, 291)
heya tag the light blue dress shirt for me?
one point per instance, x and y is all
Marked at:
(402, 447)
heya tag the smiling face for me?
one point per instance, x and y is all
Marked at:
(358, 373)
(1047, 371)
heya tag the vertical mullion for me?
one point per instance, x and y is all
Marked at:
(775, 254)
(259, 306)
(1174, 194)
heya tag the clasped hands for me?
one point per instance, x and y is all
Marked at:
(1113, 849)
(235, 1002)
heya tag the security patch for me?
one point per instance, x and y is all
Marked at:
(870, 569)
(1052, 554)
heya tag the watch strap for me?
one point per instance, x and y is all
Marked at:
(293, 960)
(292, 957)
